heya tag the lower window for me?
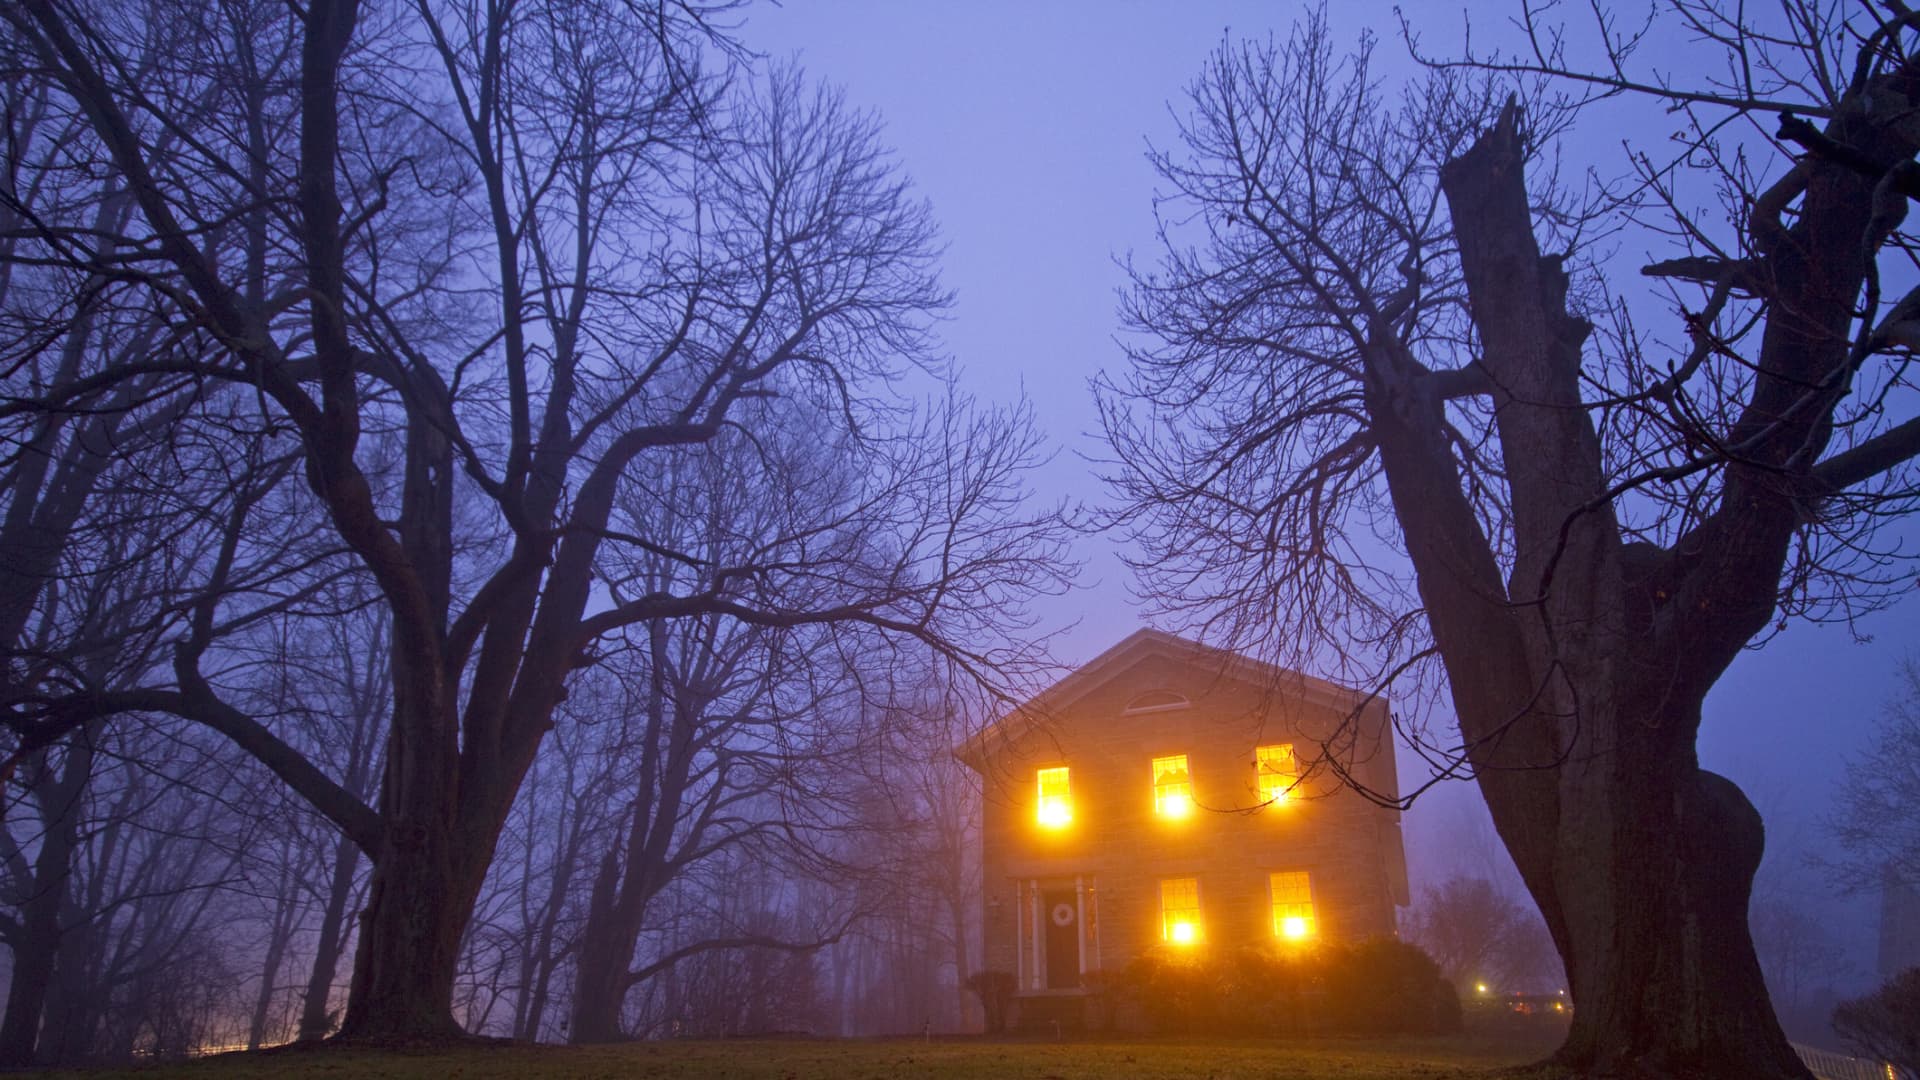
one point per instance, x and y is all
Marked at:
(1180, 910)
(1292, 905)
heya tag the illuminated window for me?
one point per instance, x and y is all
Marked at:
(1172, 787)
(1056, 798)
(1180, 910)
(1292, 904)
(1278, 771)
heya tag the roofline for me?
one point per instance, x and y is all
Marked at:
(1083, 679)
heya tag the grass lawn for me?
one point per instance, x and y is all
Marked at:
(829, 1059)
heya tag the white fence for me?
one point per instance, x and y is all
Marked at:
(1827, 1065)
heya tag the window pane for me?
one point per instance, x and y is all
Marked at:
(1292, 904)
(1180, 910)
(1055, 803)
(1277, 769)
(1172, 786)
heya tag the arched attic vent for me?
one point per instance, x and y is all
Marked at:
(1156, 701)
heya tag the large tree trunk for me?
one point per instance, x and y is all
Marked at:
(409, 949)
(1577, 686)
(421, 892)
(1664, 975)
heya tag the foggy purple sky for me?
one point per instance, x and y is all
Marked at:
(1024, 124)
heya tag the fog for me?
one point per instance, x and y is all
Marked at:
(685, 581)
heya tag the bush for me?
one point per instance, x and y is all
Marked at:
(1885, 1025)
(995, 991)
(1384, 986)
(1380, 986)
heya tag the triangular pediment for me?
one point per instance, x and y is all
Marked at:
(1137, 653)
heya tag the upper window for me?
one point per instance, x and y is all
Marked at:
(1292, 904)
(1277, 771)
(1180, 910)
(1172, 787)
(1055, 804)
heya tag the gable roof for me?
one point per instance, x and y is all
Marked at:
(1137, 646)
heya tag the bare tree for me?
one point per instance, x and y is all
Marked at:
(563, 809)
(1477, 934)
(914, 953)
(157, 865)
(1369, 414)
(470, 266)
(1885, 1025)
(1877, 821)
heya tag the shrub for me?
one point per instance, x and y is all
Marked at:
(1378, 986)
(1103, 1001)
(1385, 986)
(995, 991)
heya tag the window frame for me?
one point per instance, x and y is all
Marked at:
(1167, 914)
(1063, 797)
(1165, 791)
(1277, 917)
(1279, 790)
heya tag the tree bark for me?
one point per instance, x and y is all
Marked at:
(417, 910)
(1665, 979)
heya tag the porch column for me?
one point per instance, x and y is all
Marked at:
(1093, 894)
(1033, 902)
(1019, 932)
(1080, 902)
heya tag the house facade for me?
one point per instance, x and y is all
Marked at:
(1156, 797)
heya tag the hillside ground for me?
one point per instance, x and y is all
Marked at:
(1457, 1058)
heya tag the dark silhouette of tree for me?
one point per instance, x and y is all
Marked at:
(1877, 819)
(1384, 405)
(445, 279)
(1478, 934)
(1885, 1025)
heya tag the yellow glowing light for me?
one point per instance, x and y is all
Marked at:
(1559, 1006)
(1277, 771)
(1172, 786)
(1292, 895)
(1180, 910)
(1055, 804)
(1480, 988)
